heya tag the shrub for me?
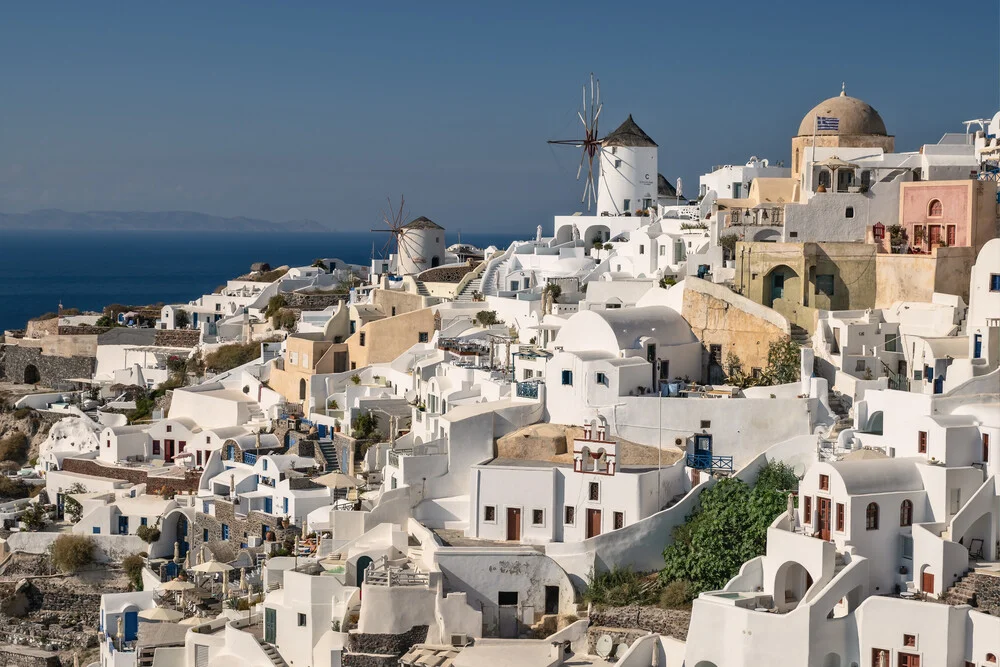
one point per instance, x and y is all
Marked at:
(73, 509)
(728, 243)
(182, 319)
(14, 447)
(274, 304)
(676, 595)
(21, 413)
(133, 569)
(619, 587)
(487, 318)
(728, 529)
(667, 281)
(230, 356)
(44, 317)
(148, 534)
(783, 364)
(356, 379)
(71, 553)
(13, 489)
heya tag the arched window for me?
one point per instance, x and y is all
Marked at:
(934, 209)
(302, 390)
(990, 658)
(871, 517)
(906, 513)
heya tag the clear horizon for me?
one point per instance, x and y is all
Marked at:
(320, 112)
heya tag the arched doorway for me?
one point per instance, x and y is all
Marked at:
(564, 234)
(596, 234)
(302, 390)
(363, 563)
(781, 282)
(767, 236)
(791, 582)
(31, 374)
(435, 261)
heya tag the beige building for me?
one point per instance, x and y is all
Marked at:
(309, 354)
(383, 339)
(796, 279)
(859, 126)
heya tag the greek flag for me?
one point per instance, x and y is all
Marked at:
(827, 123)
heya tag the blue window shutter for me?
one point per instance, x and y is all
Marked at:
(995, 282)
(97, 530)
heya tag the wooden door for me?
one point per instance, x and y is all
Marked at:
(593, 523)
(935, 235)
(514, 524)
(927, 582)
(908, 660)
(823, 510)
(168, 451)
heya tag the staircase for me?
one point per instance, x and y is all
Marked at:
(470, 287)
(801, 336)
(272, 654)
(963, 592)
(838, 407)
(256, 414)
(329, 453)
(421, 287)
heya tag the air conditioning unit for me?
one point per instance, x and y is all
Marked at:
(254, 541)
(460, 640)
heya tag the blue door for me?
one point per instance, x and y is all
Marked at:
(977, 346)
(131, 625)
(268, 505)
(939, 385)
(123, 525)
(777, 286)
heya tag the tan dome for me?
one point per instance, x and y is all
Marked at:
(856, 117)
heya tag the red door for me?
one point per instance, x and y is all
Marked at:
(168, 451)
(935, 235)
(593, 523)
(514, 524)
(927, 582)
(823, 511)
(908, 660)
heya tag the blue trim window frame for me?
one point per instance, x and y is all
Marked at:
(204, 534)
(567, 377)
(142, 521)
(995, 282)
(225, 531)
(97, 530)
(602, 378)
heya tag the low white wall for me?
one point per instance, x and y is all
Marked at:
(109, 547)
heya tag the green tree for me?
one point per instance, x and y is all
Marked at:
(783, 364)
(487, 318)
(274, 304)
(728, 529)
(148, 534)
(35, 517)
(554, 290)
(728, 243)
(667, 281)
(182, 319)
(230, 356)
(133, 570)
(71, 553)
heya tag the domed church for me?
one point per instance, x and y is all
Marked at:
(858, 125)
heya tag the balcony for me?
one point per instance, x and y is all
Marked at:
(394, 576)
(710, 463)
(528, 389)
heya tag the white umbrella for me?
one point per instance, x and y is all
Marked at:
(175, 585)
(243, 580)
(177, 552)
(337, 480)
(193, 620)
(212, 567)
(160, 614)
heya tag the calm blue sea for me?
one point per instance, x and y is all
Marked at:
(88, 270)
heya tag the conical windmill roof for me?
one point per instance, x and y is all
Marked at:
(629, 134)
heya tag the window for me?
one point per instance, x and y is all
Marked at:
(663, 250)
(97, 530)
(109, 444)
(204, 534)
(208, 440)
(986, 447)
(906, 513)
(569, 515)
(934, 209)
(910, 641)
(880, 656)
(995, 282)
(824, 482)
(393, 311)
(567, 377)
(594, 491)
(628, 202)
(142, 521)
(922, 442)
(990, 658)
(840, 517)
(706, 423)
(950, 235)
(807, 510)
(302, 620)
(642, 249)
(619, 520)
(618, 163)
(361, 339)
(225, 531)
(156, 448)
(849, 212)
(871, 517)
(859, 366)
(218, 307)
(824, 284)
(602, 379)
(537, 517)
(169, 428)
(490, 513)
(422, 337)
(793, 235)
(181, 444)
(890, 343)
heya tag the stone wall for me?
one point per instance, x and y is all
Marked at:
(375, 650)
(177, 337)
(299, 301)
(154, 484)
(82, 331)
(15, 359)
(444, 274)
(241, 528)
(672, 622)
(22, 656)
(987, 589)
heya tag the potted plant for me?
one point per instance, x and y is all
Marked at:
(336, 426)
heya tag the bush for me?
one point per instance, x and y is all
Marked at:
(133, 569)
(35, 516)
(228, 357)
(274, 304)
(783, 365)
(13, 489)
(148, 534)
(619, 587)
(21, 413)
(729, 529)
(73, 509)
(14, 447)
(487, 318)
(676, 595)
(71, 553)
(44, 317)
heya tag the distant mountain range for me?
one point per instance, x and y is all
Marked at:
(160, 221)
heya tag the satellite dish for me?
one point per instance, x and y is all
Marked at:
(621, 650)
(605, 644)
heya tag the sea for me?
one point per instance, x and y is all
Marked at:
(89, 270)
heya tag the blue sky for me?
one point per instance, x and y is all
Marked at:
(319, 110)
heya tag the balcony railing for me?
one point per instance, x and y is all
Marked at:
(396, 577)
(527, 389)
(709, 462)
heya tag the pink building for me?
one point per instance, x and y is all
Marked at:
(951, 213)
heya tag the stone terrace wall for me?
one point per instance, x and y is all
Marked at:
(20, 656)
(14, 359)
(177, 338)
(377, 650)
(311, 301)
(672, 622)
(82, 331)
(987, 589)
(154, 484)
(444, 274)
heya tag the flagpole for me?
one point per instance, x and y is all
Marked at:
(815, 129)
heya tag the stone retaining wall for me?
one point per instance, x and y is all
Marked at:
(22, 656)
(372, 650)
(14, 359)
(672, 622)
(154, 483)
(987, 592)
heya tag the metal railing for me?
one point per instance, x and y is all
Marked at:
(709, 462)
(528, 389)
(396, 577)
